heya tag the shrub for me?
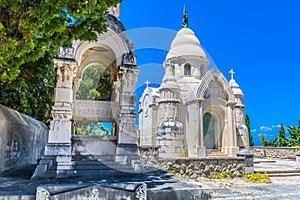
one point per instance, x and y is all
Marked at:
(259, 178)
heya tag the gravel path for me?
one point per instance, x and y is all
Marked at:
(239, 188)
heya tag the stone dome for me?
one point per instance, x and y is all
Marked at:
(185, 43)
(235, 88)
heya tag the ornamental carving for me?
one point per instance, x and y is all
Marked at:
(65, 72)
(42, 194)
(129, 59)
(66, 53)
(214, 90)
(14, 150)
(141, 192)
(93, 195)
(128, 79)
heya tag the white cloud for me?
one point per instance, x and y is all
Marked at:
(276, 126)
(265, 128)
(253, 130)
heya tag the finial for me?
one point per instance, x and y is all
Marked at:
(185, 19)
(232, 73)
(147, 83)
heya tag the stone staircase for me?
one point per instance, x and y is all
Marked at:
(98, 165)
(215, 153)
(90, 166)
(276, 168)
(280, 173)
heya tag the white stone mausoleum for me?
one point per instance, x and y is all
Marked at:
(195, 111)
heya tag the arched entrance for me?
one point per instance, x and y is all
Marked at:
(209, 129)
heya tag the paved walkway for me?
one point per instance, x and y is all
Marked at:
(237, 188)
(284, 187)
(274, 165)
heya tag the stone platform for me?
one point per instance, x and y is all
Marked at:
(152, 184)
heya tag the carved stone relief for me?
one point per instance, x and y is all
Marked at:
(141, 192)
(214, 90)
(66, 53)
(42, 194)
(65, 72)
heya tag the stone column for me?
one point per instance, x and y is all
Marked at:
(127, 149)
(201, 149)
(231, 146)
(58, 149)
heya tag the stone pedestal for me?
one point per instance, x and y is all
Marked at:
(249, 165)
(298, 160)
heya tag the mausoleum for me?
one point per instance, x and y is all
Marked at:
(195, 111)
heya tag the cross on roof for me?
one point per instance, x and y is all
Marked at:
(232, 73)
(147, 83)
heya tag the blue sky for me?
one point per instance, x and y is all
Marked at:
(258, 39)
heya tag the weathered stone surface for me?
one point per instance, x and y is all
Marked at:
(22, 139)
(275, 152)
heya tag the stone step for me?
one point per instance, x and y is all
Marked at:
(216, 154)
(284, 174)
(264, 161)
(92, 158)
(101, 167)
(97, 163)
(281, 171)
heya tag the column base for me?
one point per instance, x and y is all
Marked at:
(231, 151)
(129, 154)
(201, 152)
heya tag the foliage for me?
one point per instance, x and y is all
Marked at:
(91, 128)
(32, 29)
(222, 176)
(294, 132)
(95, 84)
(31, 32)
(282, 141)
(267, 142)
(259, 178)
(33, 97)
(247, 122)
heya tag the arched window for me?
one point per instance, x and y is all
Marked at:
(187, 69)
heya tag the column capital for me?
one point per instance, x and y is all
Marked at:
(66, 71)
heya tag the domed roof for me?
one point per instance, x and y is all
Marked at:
(235, 88)
(185, 43)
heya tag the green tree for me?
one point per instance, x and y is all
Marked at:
(282, 141)
(95, 84)
(294, 132)
(247, 122)
(33, 29)
(266, 142)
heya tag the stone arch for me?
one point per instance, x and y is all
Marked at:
(116, 42)
(214, 75)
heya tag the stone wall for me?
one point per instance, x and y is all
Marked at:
(203, 167)
(22, 139)
(275, 152)
(193, 167)
(149, 155)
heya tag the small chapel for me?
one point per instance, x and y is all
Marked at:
(196, 111)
